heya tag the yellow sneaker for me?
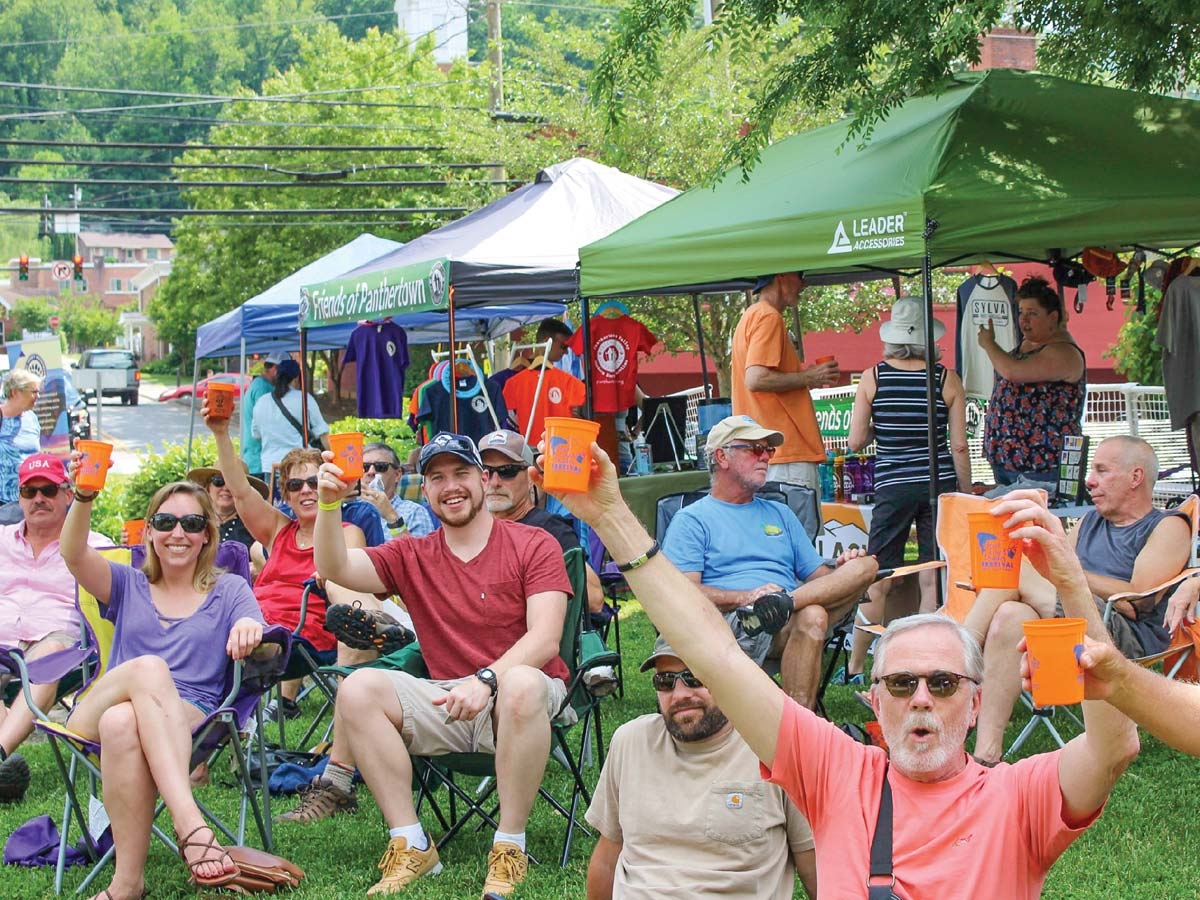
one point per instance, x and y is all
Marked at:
(507, 865)
(401, 865)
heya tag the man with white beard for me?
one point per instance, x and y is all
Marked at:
(956, 828)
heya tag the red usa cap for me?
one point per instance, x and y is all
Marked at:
(42, 465)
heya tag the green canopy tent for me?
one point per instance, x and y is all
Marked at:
(998, 165)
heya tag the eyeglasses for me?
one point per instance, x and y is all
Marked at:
(756, 449)
(50, 491)
(294, 484)
(664, 682)
(216, 481)
(192, 523)
(940, 684)
(508, 473)
(379, 466)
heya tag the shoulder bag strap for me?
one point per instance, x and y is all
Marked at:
(881, 848)
(287, 415)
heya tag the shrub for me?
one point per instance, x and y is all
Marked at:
(393, 432)
(159, 469)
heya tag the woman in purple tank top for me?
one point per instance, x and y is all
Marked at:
(177, 622)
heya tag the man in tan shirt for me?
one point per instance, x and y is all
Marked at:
(682, 810)
(771, 385)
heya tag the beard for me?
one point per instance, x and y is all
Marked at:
(499, 503)
(699, 729)
(464, 515)
(929, 759)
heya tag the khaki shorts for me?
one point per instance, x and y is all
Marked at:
(803, 473)
(426, 731)
(64, 639)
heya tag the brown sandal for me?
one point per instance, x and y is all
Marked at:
(207, 857)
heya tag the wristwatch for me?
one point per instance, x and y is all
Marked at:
(488, 677)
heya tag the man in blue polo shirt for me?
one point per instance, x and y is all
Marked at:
(744, 551)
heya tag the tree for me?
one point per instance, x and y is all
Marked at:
(88, 326)
(871, 56)
(32, 314)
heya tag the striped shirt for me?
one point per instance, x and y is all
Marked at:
(900, 420)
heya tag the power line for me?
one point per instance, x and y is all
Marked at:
(183, 212)
(243, 167)
(135, 145)
(330, 182)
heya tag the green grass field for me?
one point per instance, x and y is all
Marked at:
(1142, 847)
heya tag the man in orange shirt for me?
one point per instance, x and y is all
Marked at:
(771, 385)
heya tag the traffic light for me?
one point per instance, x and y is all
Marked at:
(23, 267)
(77, 262)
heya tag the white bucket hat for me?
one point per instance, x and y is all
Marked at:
(907, 324)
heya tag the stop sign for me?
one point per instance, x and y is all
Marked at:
(54, 321)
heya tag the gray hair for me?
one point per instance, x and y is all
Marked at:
(19, 380)
(383, 448)
(972, 653)
(908, 351)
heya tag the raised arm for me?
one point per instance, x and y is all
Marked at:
(86, 564)
(1091, 763)
(861, 430)
(956, 401)
(686, 618)
(261, 519)
(349, 567)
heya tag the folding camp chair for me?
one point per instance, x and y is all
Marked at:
(78, 758)
(580, 649)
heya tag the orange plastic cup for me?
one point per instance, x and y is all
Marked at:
(1054, 669)
(347, 450)
(568, 457)
(134, 529)
(221, 398)
(93, 465)
(824, 359)
(995, 557)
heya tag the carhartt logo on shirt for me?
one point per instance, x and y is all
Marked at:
(772, 530)
(733, 801)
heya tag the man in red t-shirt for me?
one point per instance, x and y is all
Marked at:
(487, 599)
(957, 828)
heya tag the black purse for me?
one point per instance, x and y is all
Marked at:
(881, 849)
(309, 440)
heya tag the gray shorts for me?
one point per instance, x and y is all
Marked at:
(805, 473)
(426, 731)
(1119, 629)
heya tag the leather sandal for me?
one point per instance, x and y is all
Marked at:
(207, 857)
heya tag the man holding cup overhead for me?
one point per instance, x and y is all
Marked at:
(956, 827)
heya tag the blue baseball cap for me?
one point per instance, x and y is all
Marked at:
(447, 442)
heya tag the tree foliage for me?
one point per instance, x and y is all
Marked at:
(869, 57)
(32, 314)
(88, 326)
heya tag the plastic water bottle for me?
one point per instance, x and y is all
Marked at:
(377, 483)
(825, 470)
(839, 469)
(641, 456)
(852, 476)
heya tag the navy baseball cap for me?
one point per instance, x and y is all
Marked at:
(764, 280)
(447, 442)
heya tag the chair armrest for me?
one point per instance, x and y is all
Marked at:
(44, 670)
(1132, 596)
(901, 571)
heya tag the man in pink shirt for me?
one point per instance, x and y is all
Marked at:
(957, 827)
(37, 599)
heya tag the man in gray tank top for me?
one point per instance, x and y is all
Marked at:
(1124, 544)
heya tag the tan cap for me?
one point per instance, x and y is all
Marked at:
(661, 649)
(202, 475)
(739, 428)
(509, 443)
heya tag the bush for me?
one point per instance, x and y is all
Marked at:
(1135, 355)
(168, 365)
(393, 432)
(157, 470)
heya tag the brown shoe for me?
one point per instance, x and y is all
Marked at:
(366, 629)
(318, 801)
(401, 865)
(507, 866)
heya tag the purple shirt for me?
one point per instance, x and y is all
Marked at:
(381, 354)
(193, 647)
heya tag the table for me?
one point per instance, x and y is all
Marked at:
(642, 492)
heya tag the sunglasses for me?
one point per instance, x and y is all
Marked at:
(50, 491)
(756, 449)
(664, 682)
(294, 484)
(508, 473)
(940, 684)
(193, 523)
(216, 481)
(379, 466)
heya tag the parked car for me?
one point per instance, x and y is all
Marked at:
(241, 383)
(113, 358)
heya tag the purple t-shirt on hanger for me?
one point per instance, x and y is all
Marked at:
(380, 351)
(193, 648)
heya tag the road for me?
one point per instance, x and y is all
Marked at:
(148, 427)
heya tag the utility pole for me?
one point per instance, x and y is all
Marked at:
(496, 58)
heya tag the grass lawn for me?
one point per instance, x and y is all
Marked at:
(1140, 848)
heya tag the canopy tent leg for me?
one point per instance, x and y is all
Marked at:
(585, 313)
(931, 226)
(192, 403)
(700, 345)
(453, 386)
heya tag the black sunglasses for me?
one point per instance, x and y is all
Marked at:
(29, 491)
(192, 523)
(756, 449)
(940, 684)
(664, 682)
(294, 484)
(380, 466)
(508, 473)
(216, 481)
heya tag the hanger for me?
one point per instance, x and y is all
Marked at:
(610, 306)
(1190, 266)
